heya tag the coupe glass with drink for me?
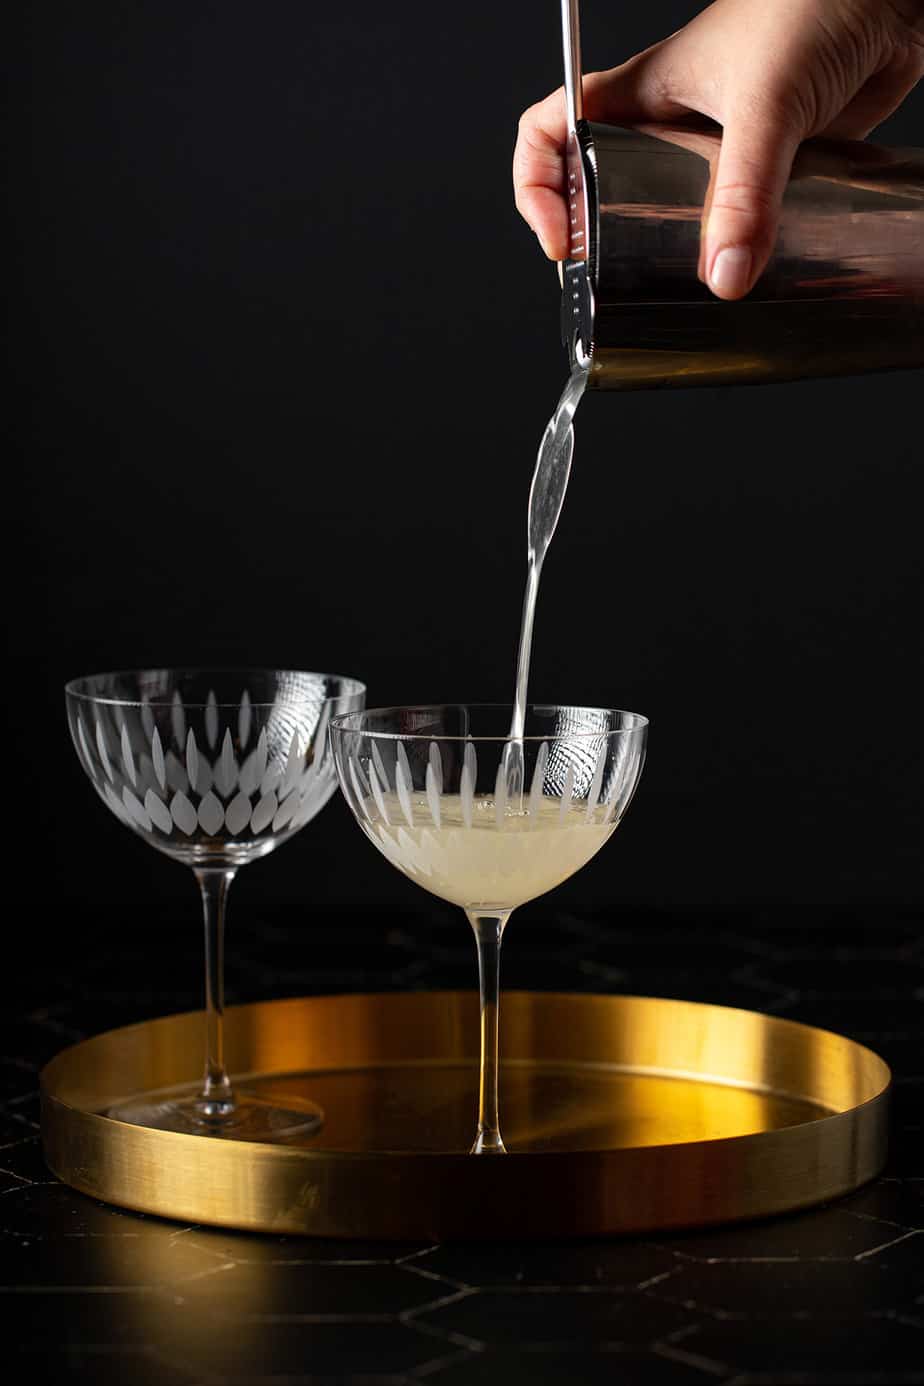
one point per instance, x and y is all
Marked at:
(432, 788)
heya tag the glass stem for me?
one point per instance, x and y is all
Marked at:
(489, 931)
(216, 1103)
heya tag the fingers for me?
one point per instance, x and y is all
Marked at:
(546, 212)
(745, 192)
(742, 211)
(632, 94)
(539, 173)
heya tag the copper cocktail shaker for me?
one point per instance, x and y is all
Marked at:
(843, 292)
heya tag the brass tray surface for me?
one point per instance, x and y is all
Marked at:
(621, 1114)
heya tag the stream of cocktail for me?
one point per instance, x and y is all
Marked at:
(546, 497)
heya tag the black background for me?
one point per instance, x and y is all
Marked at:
(283, 351)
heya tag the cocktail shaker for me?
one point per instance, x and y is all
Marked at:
(843, 292)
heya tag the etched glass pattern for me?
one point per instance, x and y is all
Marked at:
(204, 780)
(214, 768)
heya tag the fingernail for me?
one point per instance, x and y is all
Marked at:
(731, 272)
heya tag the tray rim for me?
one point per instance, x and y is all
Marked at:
(66, 1125)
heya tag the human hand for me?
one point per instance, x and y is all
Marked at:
(772, 73)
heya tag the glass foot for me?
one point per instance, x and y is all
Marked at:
(249, 1119)
(488, 1143)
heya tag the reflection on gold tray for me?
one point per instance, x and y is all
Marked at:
(620, 1113)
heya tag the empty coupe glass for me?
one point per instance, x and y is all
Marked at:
(430, 786)
(214, 768)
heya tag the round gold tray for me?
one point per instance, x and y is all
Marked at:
(621, 1114)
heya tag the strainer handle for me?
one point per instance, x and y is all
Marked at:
(571, 46)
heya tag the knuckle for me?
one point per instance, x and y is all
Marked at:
(537, 160)
(531, 119)
(532, 141)
(744, 198)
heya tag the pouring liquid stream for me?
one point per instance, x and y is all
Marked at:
(546, 497)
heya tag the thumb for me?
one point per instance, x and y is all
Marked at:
(742, 211)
